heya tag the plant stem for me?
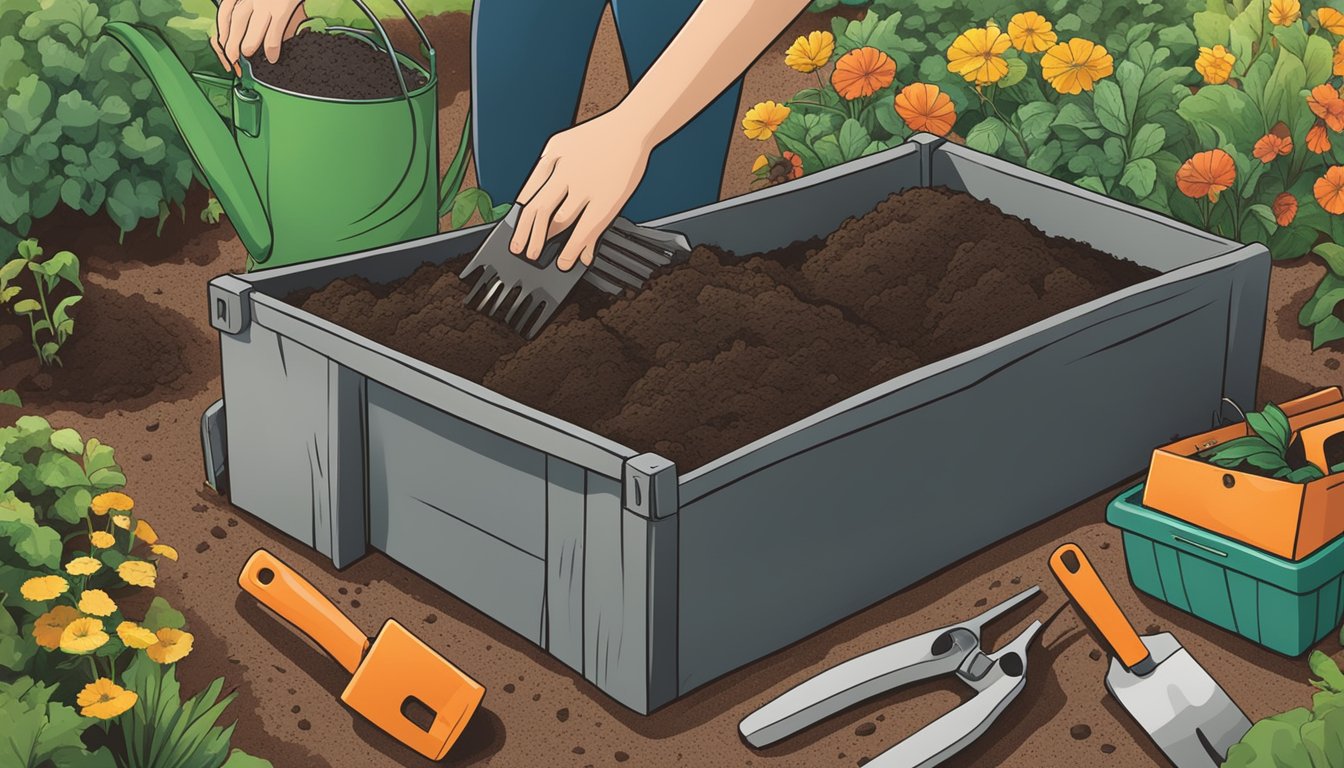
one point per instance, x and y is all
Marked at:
(93, 666)
(825, 107)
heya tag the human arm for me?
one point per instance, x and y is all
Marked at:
(242, 27)
(586, 174)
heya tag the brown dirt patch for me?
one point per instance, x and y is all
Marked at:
(335, 67)
(721, 351)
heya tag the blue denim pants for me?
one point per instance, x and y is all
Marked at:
(528, 63)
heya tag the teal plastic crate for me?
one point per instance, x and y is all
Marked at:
(1283, 605)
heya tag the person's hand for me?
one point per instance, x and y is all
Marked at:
(584, 177)
(242, 27)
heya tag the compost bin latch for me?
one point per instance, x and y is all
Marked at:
(650, 486)
(229, 305)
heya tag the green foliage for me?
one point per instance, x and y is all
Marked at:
(1300, 738)
(56, 289)
(10, 397)
(80, 125)
(1266, 449)
(41, 732)
(462, 205)
(213, 211)
(164, 731)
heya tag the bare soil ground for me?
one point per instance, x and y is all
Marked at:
(537, 712)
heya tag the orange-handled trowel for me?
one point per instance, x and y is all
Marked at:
(396, 670)
(1182, 708)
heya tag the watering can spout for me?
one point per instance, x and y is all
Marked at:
(210, 141)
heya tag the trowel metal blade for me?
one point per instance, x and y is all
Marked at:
(1192, 720)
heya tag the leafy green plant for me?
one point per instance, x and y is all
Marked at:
(80, 125)
(41, 732)
(163, 730)
(1301, 737)
(460, 204)
(1266, 449)
(213, 211)
(10, 397)
(49, 321)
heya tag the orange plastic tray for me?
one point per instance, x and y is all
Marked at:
(1291, 520)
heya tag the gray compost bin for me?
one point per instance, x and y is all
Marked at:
(650, 582)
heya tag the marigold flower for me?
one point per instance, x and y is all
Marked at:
(1215, 64)
(1206, 174)
(1031, 33)
(977, 55)
(138, 573)
(96, 602)
(764, 119)
(111, 502)
(1271, 146)
(82, 566)
(811, 52)
(173, 645)
(1330, 20)
(925, 107)
(49, 626)
(1318, 139)
(104, 699)
(795, 164)
(83, 635)
(143, 530)
(136, 636)
(1284, 12)
(1338, 68)
(862, 72)
(1325, 103)
(1284, 208)
(102, 539)
(163, 550)
(1076, 66)
(1329, 190)
(41, 588)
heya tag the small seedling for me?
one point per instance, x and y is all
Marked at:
(1266, 449)
(49, 326)
(212, 211)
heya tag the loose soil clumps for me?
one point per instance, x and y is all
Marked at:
(334, 67)
(723, 350)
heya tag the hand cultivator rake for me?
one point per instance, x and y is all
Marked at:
(626, 256)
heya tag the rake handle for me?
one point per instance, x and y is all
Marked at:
(284, 591)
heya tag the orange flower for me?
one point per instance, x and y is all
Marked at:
(1271, 146)
(1284, 12)
(1331, 20)
(1329, 189)
(795, 164)
(1215, 64)
(1318, 140)
(1031, 33)
(1076, 66)
(1326, 104)
(1206, 174)
(977, 55)
(924, 107)
(1339, 59)
(1284, 208)
(862, 72)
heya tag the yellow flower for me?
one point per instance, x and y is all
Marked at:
(764, 119)
(163, 550)
(143, 530)
(95, 602)
(138, 573)
(760, 164)
(49, 626)
(1284, 12)
(1215, 64)
(111, 501)
(977, 55)
(810, 53)
(136, 636)
(1031, 33)
(40, 588)
(104, 699)
(83, 635)
(82, 566)
(1076, 66)
(1330, 20)
(173, 645)
(862, 72)
(102, 539)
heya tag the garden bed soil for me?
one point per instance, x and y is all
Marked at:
(334, 67)
(723, 350)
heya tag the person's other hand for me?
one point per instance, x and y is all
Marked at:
(242, 27)
(584, 177)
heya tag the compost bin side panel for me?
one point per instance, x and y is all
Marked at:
(942, 467)
(295, 440)
(461, 506)
(1248, 302)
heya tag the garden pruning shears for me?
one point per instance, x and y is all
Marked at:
(997, 677)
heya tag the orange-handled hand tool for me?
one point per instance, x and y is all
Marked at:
(395, 670)
(1080, 580)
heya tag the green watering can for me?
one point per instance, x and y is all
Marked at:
(304, 177)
